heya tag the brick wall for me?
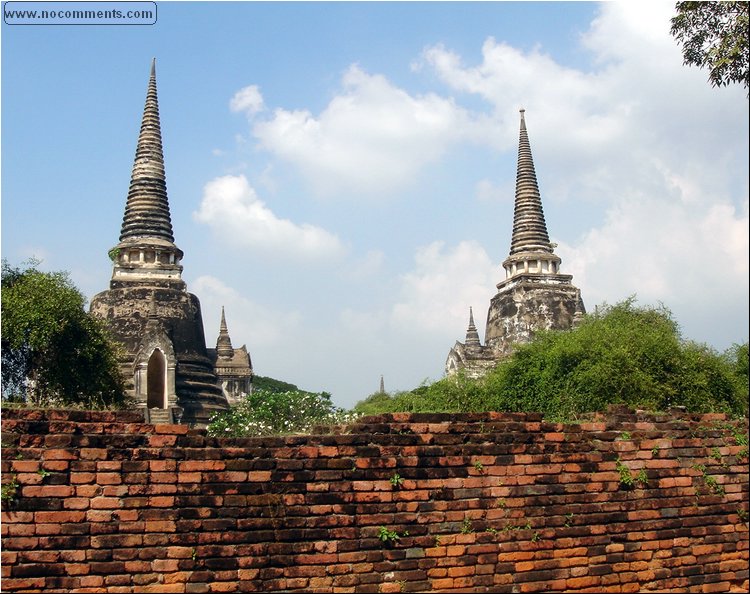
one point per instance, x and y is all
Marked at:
(100, 502)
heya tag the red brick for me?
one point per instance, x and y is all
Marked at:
(555, 436)
(582, 582)
(93, 453)
(201, 465)
(161, 441)
(59, 517)
(106, 503)
(108, 478)
(160, 526)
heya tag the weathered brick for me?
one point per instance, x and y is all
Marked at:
(204, 517)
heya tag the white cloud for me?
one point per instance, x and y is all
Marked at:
(486, 190)
(371, 138)
(692, 257)
(250, 323)
(231, 207)
(646, 139)
(436, 295)
(247, 100)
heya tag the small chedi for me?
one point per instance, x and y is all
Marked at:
(534, 294)
(166, 366)
(232, 366)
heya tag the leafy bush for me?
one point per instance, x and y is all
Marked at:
(619, 354)
(264, 412)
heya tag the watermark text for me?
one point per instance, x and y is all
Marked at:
(79, 13)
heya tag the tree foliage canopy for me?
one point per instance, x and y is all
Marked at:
(621, 354)
(53, 351)
(714, 35)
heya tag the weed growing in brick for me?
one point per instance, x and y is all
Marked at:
(9, 490)
(626, 478)
(711, 482)
(714, 486)
(396, 481)
(388, 536)
(466, 526)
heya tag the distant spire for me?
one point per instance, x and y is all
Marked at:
(529, 227)
(382, 385)
(472, 336)
(224, 343)
(147, 209)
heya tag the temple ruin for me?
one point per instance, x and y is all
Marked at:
(164, 360)
(534, 295)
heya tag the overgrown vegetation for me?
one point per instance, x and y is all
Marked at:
(53, 351)
(620, 354)
(264, 412)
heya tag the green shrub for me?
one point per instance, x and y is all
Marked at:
(265, 412)
(620, 354)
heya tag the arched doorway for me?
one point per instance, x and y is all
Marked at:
(156, 380)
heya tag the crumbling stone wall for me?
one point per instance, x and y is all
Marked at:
(99, 502)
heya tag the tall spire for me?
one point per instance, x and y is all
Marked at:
(224, 343)
(530, 249)
(147, 209)
(529, 227)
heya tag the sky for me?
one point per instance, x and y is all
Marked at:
(341, 175)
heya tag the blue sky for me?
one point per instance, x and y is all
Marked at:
(341, 174)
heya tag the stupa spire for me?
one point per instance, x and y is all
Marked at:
(147, 208)
(529, 227)
(224, 343)
(472, 335)
(530, 249)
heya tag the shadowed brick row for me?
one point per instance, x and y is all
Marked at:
(101, 502)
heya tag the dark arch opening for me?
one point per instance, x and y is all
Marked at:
(156, 380)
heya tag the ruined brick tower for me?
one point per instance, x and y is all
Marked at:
(147, 307)
(534, 294)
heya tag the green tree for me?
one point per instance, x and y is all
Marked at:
(738, 358)
(620, 354)
(265, 412)
(272, 385)
(714, 35)
(53, 351)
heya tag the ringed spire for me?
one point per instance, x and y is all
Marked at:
(530, 249)
(147, 209)
(529, 226)
(224, 343)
